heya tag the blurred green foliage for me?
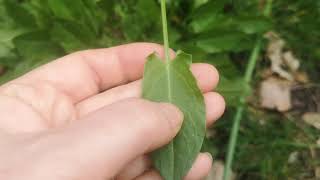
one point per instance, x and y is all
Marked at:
(220, 32)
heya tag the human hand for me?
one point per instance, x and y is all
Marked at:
(81, 117)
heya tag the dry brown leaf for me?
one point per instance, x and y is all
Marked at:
(274, 53)
(266, 73)
(301, 77)
(312, 119)
(280, 58)
(217, 171)
(276, 94)
(317, 172)
(292, 62)
(293, 157)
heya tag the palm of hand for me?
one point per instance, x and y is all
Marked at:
(55, 118)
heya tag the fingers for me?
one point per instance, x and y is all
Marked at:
(215, 107)
(83, 74)
(206, 75)
(150, 175)
(131, 90)
(136, 168)
(199, 170)
(215, 104)
(105, 141)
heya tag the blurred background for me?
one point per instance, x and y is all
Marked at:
(279, 135)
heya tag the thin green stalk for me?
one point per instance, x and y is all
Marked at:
(237, 119)
(238, 116)
(166, 44)
(253, 61)
(165, 30)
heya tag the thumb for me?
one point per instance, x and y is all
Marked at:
(102, 143)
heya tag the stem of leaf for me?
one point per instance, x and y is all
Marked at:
(165, 30)
(239, 112)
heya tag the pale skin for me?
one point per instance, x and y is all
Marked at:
(81, 117)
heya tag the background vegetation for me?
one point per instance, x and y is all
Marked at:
(220, 32)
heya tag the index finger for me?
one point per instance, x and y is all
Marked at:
(86, 73)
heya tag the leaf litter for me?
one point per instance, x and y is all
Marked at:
(312, 119)
(276, 94)
(283, 62)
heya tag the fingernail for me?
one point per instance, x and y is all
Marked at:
(209, 155)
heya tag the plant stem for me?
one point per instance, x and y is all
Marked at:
(240, 109)
(239, 112)
(165, 30)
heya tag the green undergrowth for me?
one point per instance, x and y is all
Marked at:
(267, 142)
(219, 32)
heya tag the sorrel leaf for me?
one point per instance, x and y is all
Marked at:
(173, 82)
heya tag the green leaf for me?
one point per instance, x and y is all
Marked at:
(232, 89)
(7, 57)
(251, 25)
(148, 9)
(36, 46)
(222, 41)
(226, 67)
(210, 8)
(143, 12)
(216, 21)
(84, 12)
(207, 14)
(8, 33)
(41, 12)
(11, 24)
(174, 83)
(72, 36)
(20, 14)
(198, 3)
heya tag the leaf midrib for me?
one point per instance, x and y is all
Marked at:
(168, 73)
